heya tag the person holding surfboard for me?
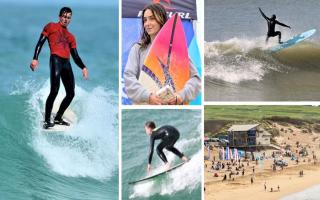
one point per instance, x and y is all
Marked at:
(154, 17)
(271, 26)
(168, 136)
(62, 43)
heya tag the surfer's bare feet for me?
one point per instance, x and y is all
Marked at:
(185, 159)
(47, 125)
(149, 168)
(167, 165)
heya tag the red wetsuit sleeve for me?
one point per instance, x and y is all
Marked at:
(72, 42)
(46, 30)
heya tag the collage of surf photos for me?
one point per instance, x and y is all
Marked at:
(160, 99)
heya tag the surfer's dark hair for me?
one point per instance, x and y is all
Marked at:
(160, 15)
(65, 10)
(150, 124)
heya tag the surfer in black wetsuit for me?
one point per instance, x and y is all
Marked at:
(271, 26)
(169, 136)
(62, 43)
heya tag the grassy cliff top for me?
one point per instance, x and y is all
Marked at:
(219, 118)
(248, 113)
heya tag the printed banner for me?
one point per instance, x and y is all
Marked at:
(187, 9)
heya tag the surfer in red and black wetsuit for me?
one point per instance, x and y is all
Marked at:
(169, 136)
(61, 43)
(271, 26)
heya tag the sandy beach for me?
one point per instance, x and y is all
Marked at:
(288, 180)
(239, 186)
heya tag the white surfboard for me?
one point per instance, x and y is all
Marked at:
(69, 116)
(158, 174)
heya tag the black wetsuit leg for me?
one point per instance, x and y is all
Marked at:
(274, 34)
(160, 148)
(173, 149)
(168, 143)
(67, 78)
(55, 72)
(59, 68)
(279, 34)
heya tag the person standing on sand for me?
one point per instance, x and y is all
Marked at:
(224, 177)
(265, 186)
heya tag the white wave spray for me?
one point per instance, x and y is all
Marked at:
(90, 148)
(187, 177)
(237, 60)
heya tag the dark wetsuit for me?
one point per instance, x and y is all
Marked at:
(168, 135)
(62, 43)
(271, 27)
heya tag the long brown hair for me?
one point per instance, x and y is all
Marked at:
(160, 15)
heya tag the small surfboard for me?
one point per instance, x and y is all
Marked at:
(158, 174)
(68, 116)
(294, 40)
(167, 63)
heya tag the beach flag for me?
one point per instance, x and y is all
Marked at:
(222, 154)
(231, 155)
(227, 153)
(236, 154)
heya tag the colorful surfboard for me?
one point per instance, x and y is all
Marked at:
(167, 62)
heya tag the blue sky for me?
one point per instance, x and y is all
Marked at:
(65, 2)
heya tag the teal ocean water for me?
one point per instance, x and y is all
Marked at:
(83, 162)
(182, 183)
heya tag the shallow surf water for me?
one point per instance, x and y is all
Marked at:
(311, 193)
